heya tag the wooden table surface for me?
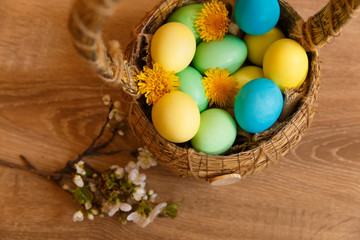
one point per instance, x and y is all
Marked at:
(51, 108)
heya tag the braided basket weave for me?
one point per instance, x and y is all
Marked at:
(86, 21)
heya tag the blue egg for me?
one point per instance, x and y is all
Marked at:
(258, 105)
(257, 17)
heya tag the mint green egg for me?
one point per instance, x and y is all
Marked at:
(187, 15)
(217, 132)
(191, 84)
(230, 54)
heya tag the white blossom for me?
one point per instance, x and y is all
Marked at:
(151, 192)
(142, 184)
(90, 216)
(116, 114)
(106, 99)
(77, 179)
(145, 158)
(154, 197)
(112, 167)
(156, 211)
(139, 194)
(94, 211)
(80, 168)
(131, 165)
(78, 216)
(137, 218)
(111, 209)
(119, 172)
(92, 187)
(117, 104)
(121, 132)
(88, 205)
(136, 177)
(143, 221)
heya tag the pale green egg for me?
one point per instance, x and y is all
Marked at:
(192, 85)
(230, 54)
(217, 132)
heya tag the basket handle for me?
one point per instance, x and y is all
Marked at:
(325, 24)
(85, 24)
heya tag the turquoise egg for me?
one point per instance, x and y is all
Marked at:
(191, 84)
(257, 17)
(187, 15)
(230, 54)
(217, 132)
(258, 105)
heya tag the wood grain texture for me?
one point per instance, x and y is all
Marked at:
(51, 108)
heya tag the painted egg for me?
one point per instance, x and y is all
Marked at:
(257, 17)
(246, 74)
(191, 84)
(217, 132)
(258, 44)
(187, 15)
(286, 63)
(176, 117)
(258, 105)
(173, 46)
(230, 54)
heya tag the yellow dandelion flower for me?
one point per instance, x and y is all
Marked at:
(213, 21)
(154, 83)
(220, 88)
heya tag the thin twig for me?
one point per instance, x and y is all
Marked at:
(106, 143)
(30, 169)
(23, 158)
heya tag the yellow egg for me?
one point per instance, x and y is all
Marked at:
(173, 46)
(176, 117)
(286, 63)
(257, 44)
(246, 74)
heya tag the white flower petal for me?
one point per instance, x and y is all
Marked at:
(119, 172)
(125, 207)
(88, 205)
(113, 209)
(133, 173)
(142, 184)
(131, 165)
(94, 211)
(78, 216)
(145, 158)
(117, 104)
(77, 179)
(143, 222)
(153, 198)
(157, 210)
(138, 194)
(90, 216)
(114, 167)
(134, 216)
(80, 168)
(92, 187)
(106, 99)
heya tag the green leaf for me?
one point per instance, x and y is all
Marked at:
(82, 195)
(172, 209)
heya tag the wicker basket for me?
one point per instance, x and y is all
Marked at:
(86, 21)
